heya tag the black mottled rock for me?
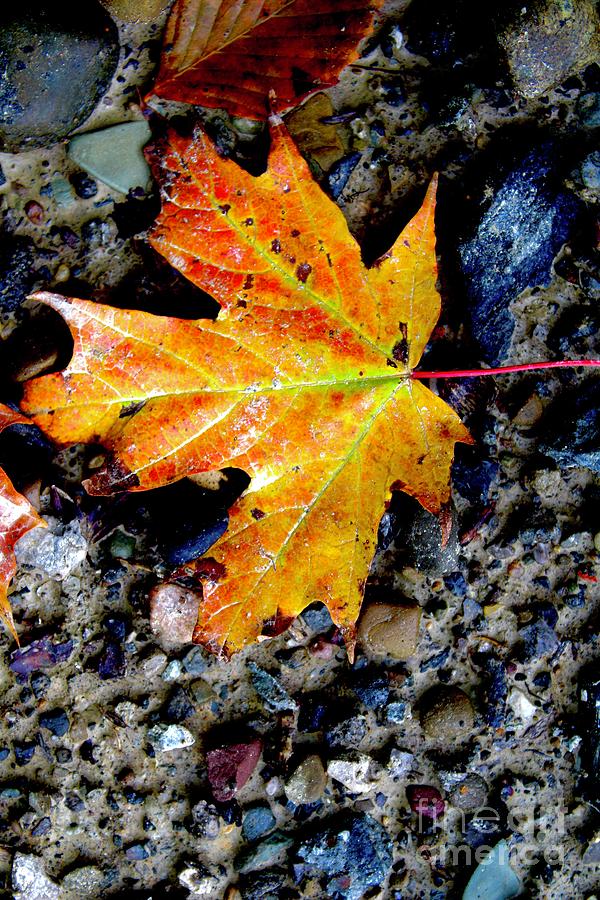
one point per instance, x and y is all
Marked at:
(16, 272)
(570, 432)
(496, 692)
(179, 706)
(589, 693)
(56, 64)
(418, 537)
(473, 474)
(515, 220)
(341, 172)
(576, 332)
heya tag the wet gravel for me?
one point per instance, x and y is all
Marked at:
(134, 764)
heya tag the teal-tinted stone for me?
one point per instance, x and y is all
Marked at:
(62, 191)
(263, 854)
(114, 155)
(493, 879)
(122, 546)
(258, 821)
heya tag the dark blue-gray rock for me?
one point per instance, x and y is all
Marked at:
(111, 663)
(570, 430)
(270, 690)
(178, 707)
(348, 733)
(55, 721)
(371, 688)
(55, 65)
(195, 661)
(539, 639)
(354, 856)
(522, 222)
(340, 172)
(317, 617)
(24, 751)
(17, 275)
(589, 695)
(472, 474)
(496, 691)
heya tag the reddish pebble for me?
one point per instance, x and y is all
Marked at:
(173, 612)
(229, 768)
(426, 801)
(34, 212)
(322, 649)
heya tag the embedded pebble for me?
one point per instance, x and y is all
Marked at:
(447, 715)
(351, 772)
(307, 782)
(229, 768)
(270, 690)
(257, 821)
(548, 40)
(493, 879)
(354, 855)
(165, 738)
(58, 554)
(199, 880)
(385, 628)
(425, 801)
(173, 612)
(29, 879)
(86, 881)
(469, 794)
(264, 853)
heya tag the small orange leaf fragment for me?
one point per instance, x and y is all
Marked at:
(303, 381)
(17, 517)
(232, 53)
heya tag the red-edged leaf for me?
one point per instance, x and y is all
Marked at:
(17, 517)
(232, 53)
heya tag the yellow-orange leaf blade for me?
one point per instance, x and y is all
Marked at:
(17, 517)
(232, 53)
(303, 381)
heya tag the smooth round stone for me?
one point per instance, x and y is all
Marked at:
(470, 794)
(447, 715)
(388, 629)
(56, 64)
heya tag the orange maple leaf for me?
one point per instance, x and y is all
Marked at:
(231, 54)
(17, 517)
(303, 381)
